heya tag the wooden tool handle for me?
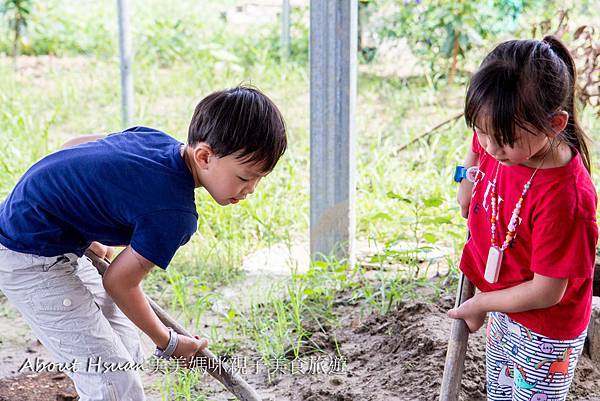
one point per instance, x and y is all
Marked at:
(457, 346)
(216, 367)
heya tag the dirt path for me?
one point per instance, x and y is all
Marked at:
(398, 357)
(395, 357)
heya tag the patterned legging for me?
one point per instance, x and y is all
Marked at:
(526, 366)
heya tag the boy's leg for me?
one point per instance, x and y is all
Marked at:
(62, 313)
(125, 329)
(545, 366)
(498, 366)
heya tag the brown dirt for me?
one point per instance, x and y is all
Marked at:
(396, 357)
(37, 387)
(401, 357)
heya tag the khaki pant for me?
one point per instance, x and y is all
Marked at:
(68, 310)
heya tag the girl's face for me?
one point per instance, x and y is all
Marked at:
(527, 150)
(530, 146)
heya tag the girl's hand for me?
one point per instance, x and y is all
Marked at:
(188, 347)
(470, 312)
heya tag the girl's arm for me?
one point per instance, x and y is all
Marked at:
(539, 293)
(465, 188)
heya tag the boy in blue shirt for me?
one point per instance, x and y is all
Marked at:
(135, 189)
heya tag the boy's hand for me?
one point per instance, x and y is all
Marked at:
(470, 313)
(102, 251)
(188, 347)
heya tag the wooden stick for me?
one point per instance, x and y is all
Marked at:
(457, 346)
(428, 132)
(216, 367)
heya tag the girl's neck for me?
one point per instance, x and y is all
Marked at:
(552, 156)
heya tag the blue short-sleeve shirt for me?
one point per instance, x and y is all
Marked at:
(129, 188)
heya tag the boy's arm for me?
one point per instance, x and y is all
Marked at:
(465, 187)
(122, 282)
(539, 293)
(82, 139)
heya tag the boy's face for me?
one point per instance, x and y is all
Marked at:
(227, 179)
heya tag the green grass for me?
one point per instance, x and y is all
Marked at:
(283, 321)
(181, 385)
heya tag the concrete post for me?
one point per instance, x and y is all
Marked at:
(333, 41)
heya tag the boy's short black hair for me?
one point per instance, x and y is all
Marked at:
(240, 119)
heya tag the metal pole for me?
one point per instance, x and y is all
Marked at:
(285, 29)
(126, 60)
(333, 39)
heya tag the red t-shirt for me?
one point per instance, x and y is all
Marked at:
(556, 237)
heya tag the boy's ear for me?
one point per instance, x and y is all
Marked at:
(202, 155)
(559, 121)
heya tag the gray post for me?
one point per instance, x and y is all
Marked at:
(333, 30)
(285, 29)
(125, 53)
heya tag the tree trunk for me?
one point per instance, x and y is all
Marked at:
(454, 59)
(17, 39)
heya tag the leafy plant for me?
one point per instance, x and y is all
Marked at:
(442, 32)
(424, 221)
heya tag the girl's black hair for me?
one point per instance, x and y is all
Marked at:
(524, 83)
(240, 119)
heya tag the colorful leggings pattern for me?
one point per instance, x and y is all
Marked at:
(526, 366)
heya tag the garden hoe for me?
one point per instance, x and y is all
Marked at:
(217, 368)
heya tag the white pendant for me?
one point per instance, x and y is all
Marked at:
(492, 267)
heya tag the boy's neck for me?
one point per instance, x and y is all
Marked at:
(186, 153)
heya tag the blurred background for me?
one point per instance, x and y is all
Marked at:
(59, 78)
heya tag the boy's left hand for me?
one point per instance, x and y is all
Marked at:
(102, 251)
(470, 312)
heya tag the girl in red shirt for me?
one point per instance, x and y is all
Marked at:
(532, 217)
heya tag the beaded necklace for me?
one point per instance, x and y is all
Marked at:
(495, 254)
